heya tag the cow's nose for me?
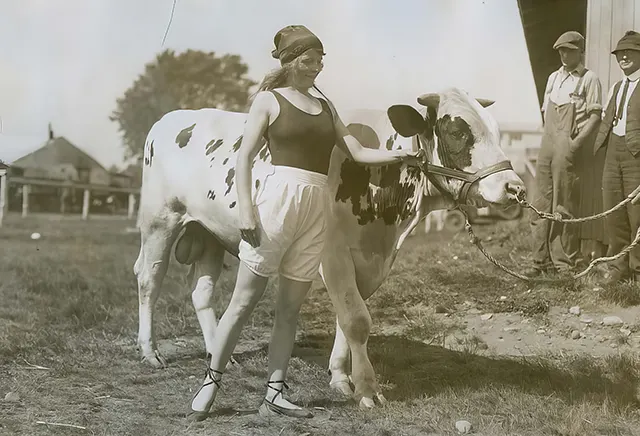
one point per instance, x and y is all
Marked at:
(515, 189)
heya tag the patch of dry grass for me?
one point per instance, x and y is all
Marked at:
(69, 303)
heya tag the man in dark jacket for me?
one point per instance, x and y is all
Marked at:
(620, 134)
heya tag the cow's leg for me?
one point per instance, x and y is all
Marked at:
(338, 273)
(207, 272)
(157, 237)
(338, 363)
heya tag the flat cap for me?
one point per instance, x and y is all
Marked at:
(630, 41)
(571, 39)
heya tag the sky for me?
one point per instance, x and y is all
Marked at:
(67, 61)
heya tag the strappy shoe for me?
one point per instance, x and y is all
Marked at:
(201, 415)
(269, 408)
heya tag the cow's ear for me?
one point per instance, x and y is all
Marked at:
(406, 120)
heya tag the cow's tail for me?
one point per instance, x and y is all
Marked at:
(191, 275)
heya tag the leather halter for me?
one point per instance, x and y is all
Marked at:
(430, 170)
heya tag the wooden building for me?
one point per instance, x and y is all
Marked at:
(61, 178)
(601, 22)
(607, 21)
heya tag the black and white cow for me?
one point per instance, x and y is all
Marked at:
(188, 182)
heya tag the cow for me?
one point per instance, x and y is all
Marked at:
(188, 199)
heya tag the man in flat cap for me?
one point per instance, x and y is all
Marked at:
(620, 134)
(571, 111)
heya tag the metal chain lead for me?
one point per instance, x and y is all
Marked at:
(634, 197)
(476, 241)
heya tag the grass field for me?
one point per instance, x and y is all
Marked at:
(68, 326)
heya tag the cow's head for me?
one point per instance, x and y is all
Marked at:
(458, 133)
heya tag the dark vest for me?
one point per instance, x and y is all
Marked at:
(632, 135)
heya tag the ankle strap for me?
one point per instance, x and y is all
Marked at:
(210, 372)
(279, 391)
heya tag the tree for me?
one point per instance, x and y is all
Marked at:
(190, 80)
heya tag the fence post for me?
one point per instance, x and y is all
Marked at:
(132, 205)
(85, 204)
(3, 194)
(25, 200)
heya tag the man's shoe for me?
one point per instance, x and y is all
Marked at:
(614, 277)
(534, 271)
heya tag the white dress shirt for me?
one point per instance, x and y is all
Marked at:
(621, 128)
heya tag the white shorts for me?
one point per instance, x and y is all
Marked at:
(291, 205)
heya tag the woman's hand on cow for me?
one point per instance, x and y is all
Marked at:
(249, 227)
(411, 157)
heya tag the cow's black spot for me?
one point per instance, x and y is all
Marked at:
(430, 122)
(224, 162)
(389, 202)
(232, 205)
(229, 180)
(354, 184)
(257, 183)
(184, 136)
(236, 145)
(390, 142)
(149, 154)
(212, 146)
(177, 206)
(146, 157)
(392, 200)
(455, 142)
(264, 153)
(211, 195)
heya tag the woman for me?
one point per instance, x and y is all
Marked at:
(283, 232)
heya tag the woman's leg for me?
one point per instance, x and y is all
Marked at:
(247, 293)
(291, 295)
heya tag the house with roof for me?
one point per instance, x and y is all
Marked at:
(59, 159)
(58, 175)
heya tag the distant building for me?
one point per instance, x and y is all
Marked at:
(131, 177)
(59, 159)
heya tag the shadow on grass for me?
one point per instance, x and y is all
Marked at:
(414, 369)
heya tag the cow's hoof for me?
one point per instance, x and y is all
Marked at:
(343, 387)
(156, 360)
(367, 403)
(381, 399)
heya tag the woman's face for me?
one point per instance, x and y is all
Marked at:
(306, 68)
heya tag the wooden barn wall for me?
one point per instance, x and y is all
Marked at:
(607, 21)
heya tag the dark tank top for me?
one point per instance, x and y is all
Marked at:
(298, 139)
